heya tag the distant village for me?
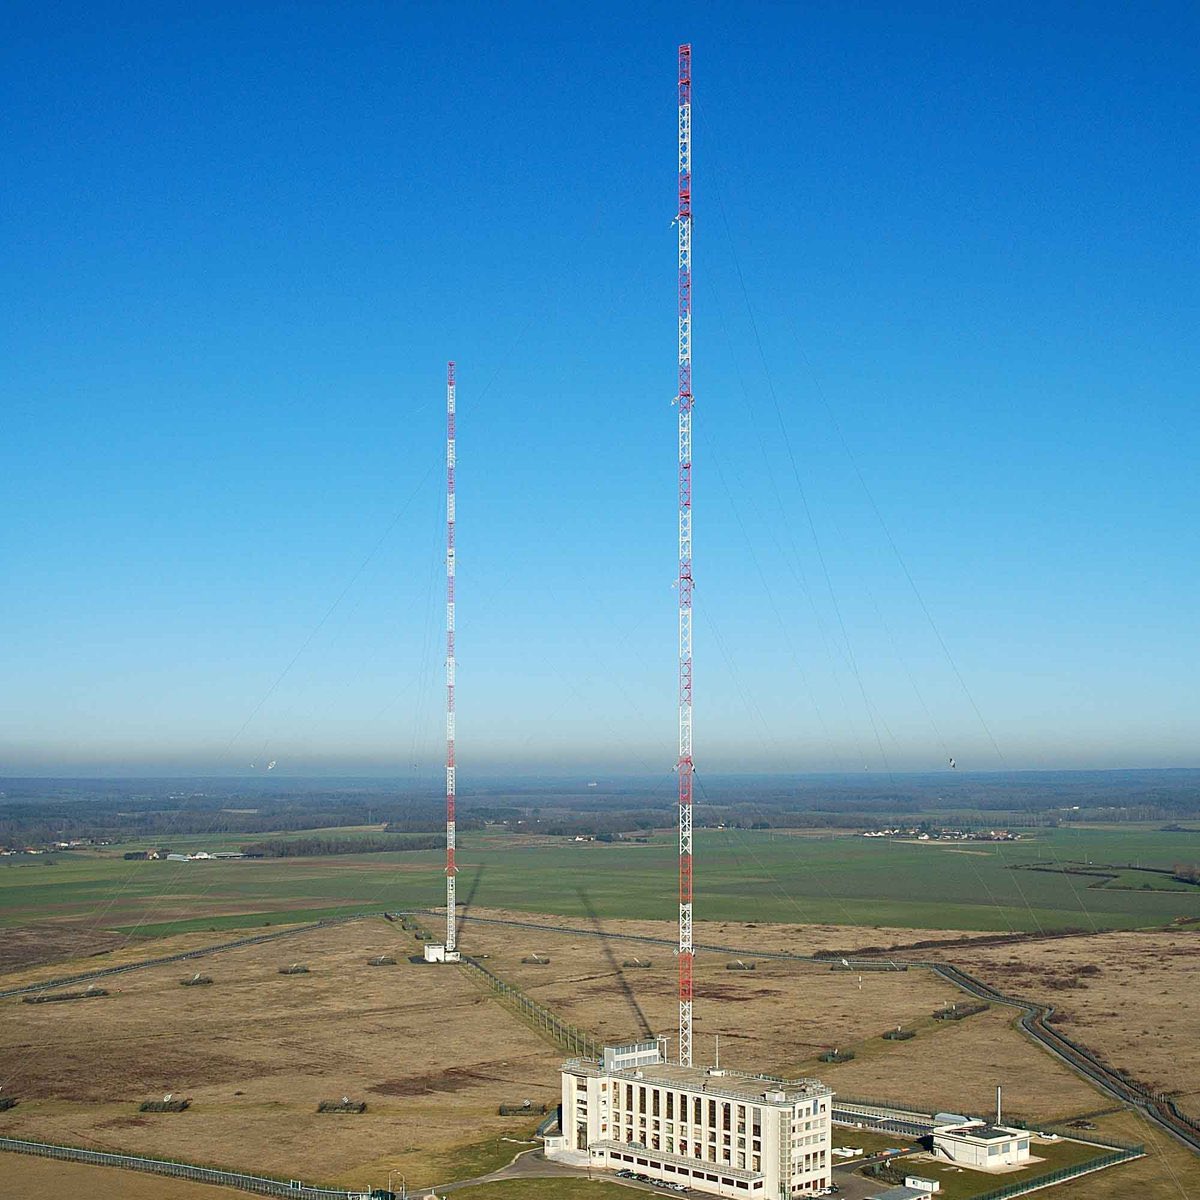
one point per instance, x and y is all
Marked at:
(196, 856)
(53, 847)
(164, 853)
(922, 834)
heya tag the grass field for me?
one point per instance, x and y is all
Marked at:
(433, 1055)
(1168, 1172)
(257, 1051)
(751, 875)
(780, 1016)
(1133, 997)
(33, 1178)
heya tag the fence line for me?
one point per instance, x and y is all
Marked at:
(568, 1037)
(262, 1185)
(1063, 1174)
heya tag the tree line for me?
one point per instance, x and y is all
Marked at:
(312, 846)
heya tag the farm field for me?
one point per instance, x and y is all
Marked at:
(751, 875)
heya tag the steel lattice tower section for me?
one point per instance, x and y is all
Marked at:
(684, 766)
(451, 868)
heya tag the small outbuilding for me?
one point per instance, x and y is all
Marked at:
(436, 952)
(982, 1146)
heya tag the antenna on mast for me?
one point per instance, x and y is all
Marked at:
(684, 766)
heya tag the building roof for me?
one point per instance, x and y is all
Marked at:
(901, 1193)
(736, 1085)
(981, 1132)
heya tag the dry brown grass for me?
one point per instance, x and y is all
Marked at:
(778, 1017)
(433, 1055)
(1168, 1172)
(1132, 997)
(51, 942)
(256, 1051)
(956, 1067)
(768, 1018)
(102, 948)
(33, 1177)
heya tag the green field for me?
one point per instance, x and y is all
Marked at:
(741, 875)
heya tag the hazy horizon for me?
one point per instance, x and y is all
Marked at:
(433, 783)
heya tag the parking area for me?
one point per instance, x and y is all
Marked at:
(837, 1191)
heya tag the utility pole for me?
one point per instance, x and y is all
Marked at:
(451, 868)
(684, 766)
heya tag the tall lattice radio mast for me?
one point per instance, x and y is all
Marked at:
(684, 766)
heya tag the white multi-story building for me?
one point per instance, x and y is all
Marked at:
(717, 1131)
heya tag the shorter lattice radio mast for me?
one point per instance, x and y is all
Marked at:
(448, 952)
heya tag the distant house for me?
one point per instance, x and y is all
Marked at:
(177, 858)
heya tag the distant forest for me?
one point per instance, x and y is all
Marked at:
(40, 811)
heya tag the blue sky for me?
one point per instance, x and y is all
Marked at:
(945, 368)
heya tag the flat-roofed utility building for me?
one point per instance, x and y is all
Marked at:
(980, 1145)
(723, 1132)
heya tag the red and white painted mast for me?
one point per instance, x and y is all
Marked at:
(451, 869)
(684, 400)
